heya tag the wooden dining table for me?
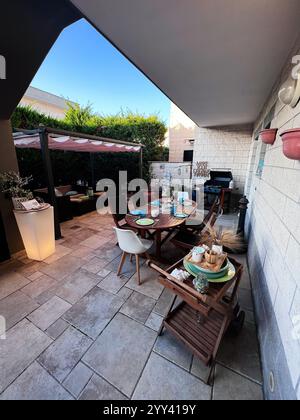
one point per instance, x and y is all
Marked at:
(163, 222)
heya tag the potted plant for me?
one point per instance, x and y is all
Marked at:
(268, 136)
(223, 239)
(12, 185)
(291, 143)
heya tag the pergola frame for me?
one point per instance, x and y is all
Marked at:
(44, 133)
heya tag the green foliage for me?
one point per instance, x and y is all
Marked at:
(79, 118)
(149, 131)
(27, 118)
(165, 154)
(13, 185)
(140, 129)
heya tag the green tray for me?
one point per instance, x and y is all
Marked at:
(229, 276)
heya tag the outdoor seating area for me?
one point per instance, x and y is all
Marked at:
(70, 200)
(150, 202)
(70, 308)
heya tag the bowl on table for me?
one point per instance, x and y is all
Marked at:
(226, 273)
(141, 213)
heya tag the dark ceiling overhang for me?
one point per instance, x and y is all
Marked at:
(217, 60)
(28, 29)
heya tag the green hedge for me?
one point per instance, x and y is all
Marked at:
(69, 167)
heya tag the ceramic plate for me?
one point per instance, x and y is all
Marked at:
(181, 215)
(145, 222)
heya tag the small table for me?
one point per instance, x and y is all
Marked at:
(201, 321)
(163, 222)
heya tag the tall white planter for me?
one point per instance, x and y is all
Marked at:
(37, 231)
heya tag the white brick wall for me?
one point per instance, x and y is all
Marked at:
(225, 147)
(275, 203)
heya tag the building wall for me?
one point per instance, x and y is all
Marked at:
(45, 102)
(44, 108)
(274, 252)
(225, 147)
(8, 162)
(181, 130)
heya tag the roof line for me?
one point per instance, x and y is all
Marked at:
(62, 98)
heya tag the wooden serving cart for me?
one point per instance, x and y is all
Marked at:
(201, 321)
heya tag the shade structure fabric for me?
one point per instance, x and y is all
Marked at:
(68, 143)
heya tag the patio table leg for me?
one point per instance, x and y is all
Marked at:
(158, 244)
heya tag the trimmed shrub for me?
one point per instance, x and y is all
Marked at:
(69, 167)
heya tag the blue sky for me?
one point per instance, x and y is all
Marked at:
(84, 67)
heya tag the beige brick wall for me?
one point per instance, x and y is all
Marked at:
(274, 218)
(181, 130)
(225, 147)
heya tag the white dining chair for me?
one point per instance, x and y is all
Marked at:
(131, 245)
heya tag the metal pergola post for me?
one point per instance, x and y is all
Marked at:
(92, 161)
(4, 250)
(43, 133)
(141, 163)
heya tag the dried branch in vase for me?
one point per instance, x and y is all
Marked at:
(223, 237)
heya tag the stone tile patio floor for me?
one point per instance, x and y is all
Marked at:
(77, 331)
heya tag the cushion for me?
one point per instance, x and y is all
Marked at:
(77, 196)
(58, 193)
(64, 189)
(70, 193)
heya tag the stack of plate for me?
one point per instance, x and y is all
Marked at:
(225, 274)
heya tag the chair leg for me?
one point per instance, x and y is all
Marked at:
(161, 330)
(210, 374)
(137, 257)
(122, 263)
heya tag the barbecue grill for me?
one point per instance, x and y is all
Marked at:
(218, 180)
(219, 185)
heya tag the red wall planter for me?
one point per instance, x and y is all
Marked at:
(269, 136)
(291, 143)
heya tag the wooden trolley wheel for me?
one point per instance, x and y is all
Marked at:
(237, 324)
